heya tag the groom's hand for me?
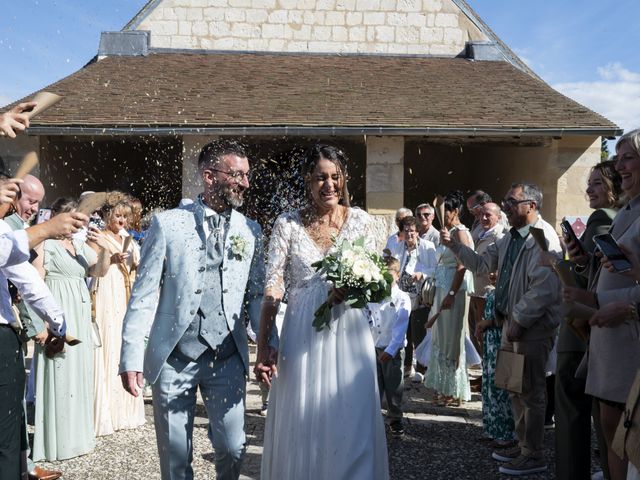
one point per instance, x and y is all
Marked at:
(265, 368)
(132, 382)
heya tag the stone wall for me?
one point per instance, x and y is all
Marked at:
(435, 27)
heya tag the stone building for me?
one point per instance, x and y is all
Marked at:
(421, 94)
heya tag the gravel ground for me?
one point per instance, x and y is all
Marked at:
(439, 443)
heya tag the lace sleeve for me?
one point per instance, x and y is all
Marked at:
(278, 255)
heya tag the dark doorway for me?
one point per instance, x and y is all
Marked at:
(149, 168)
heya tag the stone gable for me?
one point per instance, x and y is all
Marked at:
(425, 27)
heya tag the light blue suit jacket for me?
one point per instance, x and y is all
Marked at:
(171, 276)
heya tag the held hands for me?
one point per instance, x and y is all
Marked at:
(9, 189)
(265, 368)
(132, 382)
(15, 120)
(41, 338)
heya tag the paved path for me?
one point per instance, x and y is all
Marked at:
(440, 443)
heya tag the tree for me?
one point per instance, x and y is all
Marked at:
(604, 149)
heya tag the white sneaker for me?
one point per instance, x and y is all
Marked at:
(598, 475)
(417, 378)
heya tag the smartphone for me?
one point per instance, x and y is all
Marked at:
(609, 247)
(570, 235)
(97, 222)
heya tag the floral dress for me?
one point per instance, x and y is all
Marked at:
(497, 416)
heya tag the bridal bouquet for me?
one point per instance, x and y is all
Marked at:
(360, 272)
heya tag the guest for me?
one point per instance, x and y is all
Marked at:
(497, 416)
(390, 321)
(393, 242)
(27, 203)
(447, 373)
(417, 261)
(135, 226)
(425, 214)
(491, 232)
(573, 406)
(475, 202)
(114, 408)
(614, 349)
(527, 303)
(64, 384)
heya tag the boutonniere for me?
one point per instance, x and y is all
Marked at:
(238, 246)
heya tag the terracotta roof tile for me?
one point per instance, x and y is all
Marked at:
(241, 89)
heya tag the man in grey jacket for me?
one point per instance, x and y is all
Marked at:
(527, 300)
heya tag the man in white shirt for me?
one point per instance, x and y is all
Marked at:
(390, 320)
(424, 215)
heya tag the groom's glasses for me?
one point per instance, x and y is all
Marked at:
(236, 176)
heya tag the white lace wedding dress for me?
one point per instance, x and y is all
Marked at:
(324, 420)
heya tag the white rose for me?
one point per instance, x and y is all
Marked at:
(359, 268)
(348, 258)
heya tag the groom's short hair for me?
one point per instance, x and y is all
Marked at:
(212, 152)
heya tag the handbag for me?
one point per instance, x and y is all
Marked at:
(509, 371)
(428, 291)
(627, 438)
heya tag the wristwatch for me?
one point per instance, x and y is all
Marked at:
(452, 293)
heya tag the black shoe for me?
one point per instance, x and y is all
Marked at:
(397, 429)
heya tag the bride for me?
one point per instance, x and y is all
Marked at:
(324, 419)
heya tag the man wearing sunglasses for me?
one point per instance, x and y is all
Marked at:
(527, 301)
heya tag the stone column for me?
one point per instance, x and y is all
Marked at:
(191, 181)
(385, 182)
(569, 165)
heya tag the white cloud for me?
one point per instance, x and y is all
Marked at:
(5, 100)
(616, 95)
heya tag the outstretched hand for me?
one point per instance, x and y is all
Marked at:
(132, 382)
(15, 120)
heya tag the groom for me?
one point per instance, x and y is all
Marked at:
(202, 266)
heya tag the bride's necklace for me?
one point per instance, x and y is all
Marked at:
(323, 229)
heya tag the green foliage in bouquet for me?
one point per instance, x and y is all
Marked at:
(361, 273)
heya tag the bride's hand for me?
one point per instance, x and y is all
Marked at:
(265, 368)
(337, 295)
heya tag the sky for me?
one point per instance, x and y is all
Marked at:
(580, 47)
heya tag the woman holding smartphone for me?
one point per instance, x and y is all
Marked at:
(614, 346)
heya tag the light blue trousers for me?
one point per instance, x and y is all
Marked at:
(222, 386)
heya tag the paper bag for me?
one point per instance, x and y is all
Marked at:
(627, 437)
(509, 371)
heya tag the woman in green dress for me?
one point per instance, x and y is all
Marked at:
(63, 425)
(447, 372)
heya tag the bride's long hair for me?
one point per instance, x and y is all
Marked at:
(311, 158)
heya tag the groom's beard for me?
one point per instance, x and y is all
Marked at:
(232, 196)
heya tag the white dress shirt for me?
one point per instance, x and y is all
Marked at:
(32, 289)
(390, 320)
(14, 248)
